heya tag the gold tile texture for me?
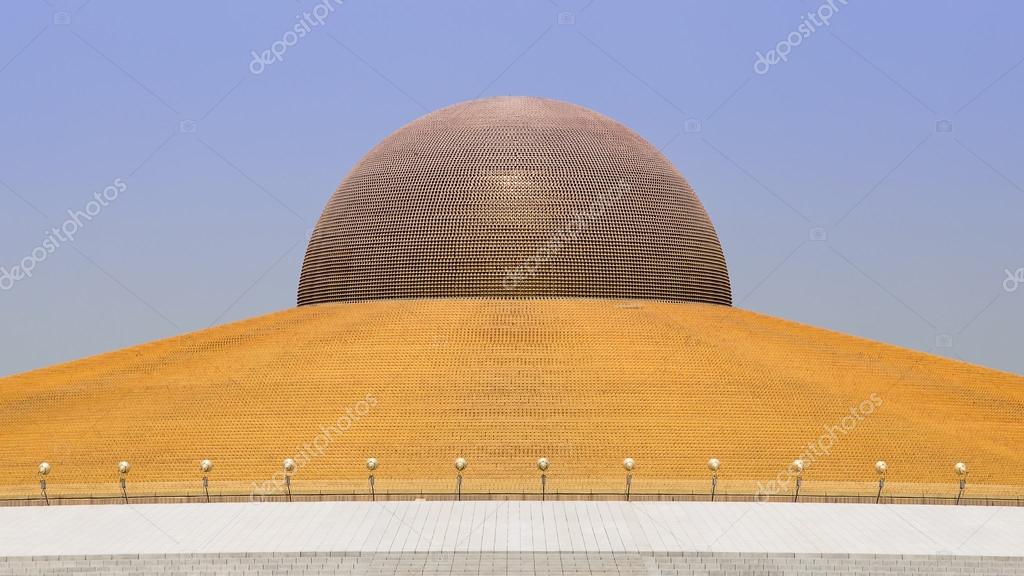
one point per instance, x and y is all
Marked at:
(583, 382)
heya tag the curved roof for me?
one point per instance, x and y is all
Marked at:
(514, 197)
(584, 383)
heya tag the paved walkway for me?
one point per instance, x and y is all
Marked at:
(515, 564)
(515, 526)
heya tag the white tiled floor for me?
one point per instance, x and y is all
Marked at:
(512, 526)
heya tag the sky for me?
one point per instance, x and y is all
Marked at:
(860, 160)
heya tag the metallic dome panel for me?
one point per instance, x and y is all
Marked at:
(514, 197)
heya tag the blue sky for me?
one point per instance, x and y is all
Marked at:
(870, 183)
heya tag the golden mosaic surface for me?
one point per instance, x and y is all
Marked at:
(584, 383)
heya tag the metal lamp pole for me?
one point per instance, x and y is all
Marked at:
(880, 468)
(460, 466)
(543, 465)
(797, 467)
(205, 466)
(713, 466)
(122, 470)
(44, 469)
(961, 471)
(629, 464)
(289, 469)
(371, 465)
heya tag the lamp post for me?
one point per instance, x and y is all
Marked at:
(713, 466)
(205, 466)
(542, 465)
(961, 470)
(289, 469)
(122, 470)
(880, 467)
(797, 467)
(629, 464)
(44, 469)
(460, 466)
(371, 465)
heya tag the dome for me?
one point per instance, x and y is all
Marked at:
(514, 197)
(506, 280)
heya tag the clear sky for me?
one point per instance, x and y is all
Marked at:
(870, 182)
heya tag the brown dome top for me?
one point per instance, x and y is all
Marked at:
(514, 197)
